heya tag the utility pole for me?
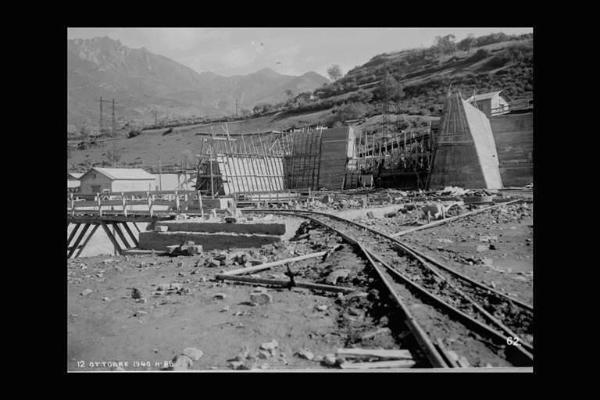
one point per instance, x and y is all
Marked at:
(100, 115)
(114, 121)
(159, 176)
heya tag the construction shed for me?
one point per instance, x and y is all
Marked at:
(490, 103)
(97, 180)
(73, 182)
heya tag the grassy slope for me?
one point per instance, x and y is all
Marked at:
(147, 148)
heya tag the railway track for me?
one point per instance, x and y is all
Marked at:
(451, 312)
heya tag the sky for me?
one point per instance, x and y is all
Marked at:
(290, 51)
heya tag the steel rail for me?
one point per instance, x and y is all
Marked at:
(420, 257)
(527, 348)
(405, 247)
(523, 356)
(432, 354)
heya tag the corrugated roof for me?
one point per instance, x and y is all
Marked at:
(125, 173)
(484, 96)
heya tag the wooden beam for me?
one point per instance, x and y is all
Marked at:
(85, 242)
(136, 227)
(121, 235)
(284, 283)
(379, 364)
(74, 247)
(72, 235)
(112, 238)
(261, 267)
(131, 235)
(388, 354)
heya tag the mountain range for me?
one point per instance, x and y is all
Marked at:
(144, 84)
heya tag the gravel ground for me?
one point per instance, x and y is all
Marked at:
(106, 324)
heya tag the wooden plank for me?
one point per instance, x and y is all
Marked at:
(131, 235)
(72, 235)
(285, 283)
(139, 252)
(85, 242)
(74, 247)
(112, 238)
(121, 235)
(379, 364)
(388, 354)
(261, 267)
(136, 227)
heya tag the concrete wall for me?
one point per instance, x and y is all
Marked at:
(464, 149)
(485, 146)
(214, 227)
(151, 240)
(513, 134)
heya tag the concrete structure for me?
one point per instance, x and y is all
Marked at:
(213, 227)
(97, 180)
(465, 153)
(513, 134)
(160, 240)
(490, 103)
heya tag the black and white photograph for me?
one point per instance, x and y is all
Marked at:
(300, 199)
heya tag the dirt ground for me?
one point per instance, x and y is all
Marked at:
(108, 329)
(108, 325)
(495, 247)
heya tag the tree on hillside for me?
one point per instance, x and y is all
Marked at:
(445, 44)
(289, 93)
(113, 155)
(467, 43)
(389, 89)
(334, 72)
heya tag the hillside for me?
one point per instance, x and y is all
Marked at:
(424, 76)
(142, 82)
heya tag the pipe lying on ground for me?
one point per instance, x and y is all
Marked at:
(285, 283)
(261, 267)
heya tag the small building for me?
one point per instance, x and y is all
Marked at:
(73, 182)
(98, 180)
(490, 103)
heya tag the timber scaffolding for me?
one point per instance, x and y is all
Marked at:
(393, 159)
(256, 165)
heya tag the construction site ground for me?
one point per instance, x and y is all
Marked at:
(107, 324)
